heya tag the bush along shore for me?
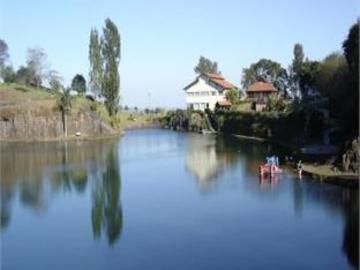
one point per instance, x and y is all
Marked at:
(291, 130)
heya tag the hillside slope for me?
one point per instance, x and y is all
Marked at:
(32, 114)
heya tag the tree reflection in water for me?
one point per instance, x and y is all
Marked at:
(351, 229)
(208, 156)
(6, 197)
(106, 213)
(39, 171)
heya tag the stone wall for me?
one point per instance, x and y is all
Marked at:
(46, 125)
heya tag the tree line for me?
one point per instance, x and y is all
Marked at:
(335, 78)
(104, 78)
(36, 71)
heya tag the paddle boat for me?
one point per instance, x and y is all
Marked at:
(271, 167)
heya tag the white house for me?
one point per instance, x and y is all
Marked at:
(207, 90)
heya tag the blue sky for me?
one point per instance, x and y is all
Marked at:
(162, 40)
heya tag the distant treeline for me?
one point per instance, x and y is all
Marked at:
(334, 79)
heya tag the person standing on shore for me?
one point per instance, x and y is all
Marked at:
(299, 168)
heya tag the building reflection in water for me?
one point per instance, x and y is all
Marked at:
(207, 157)
(40, 171)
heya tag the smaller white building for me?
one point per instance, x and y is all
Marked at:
(207, 90)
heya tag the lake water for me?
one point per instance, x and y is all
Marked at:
(157, 199)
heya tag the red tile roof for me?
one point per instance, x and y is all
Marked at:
(220, 81)
(261, 87)
(216, 79)
(214, 76)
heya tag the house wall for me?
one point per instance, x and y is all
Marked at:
(260, 107)
(260, 96)
(203, 95)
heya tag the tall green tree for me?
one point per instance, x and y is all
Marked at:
(351, 52)
(78, 84)
(294, 70)
(267, 71)
(205, 65)
(333, 73)
(96, 62)
(308, 74)
(351, 49)
(298, 58)
(111, 48)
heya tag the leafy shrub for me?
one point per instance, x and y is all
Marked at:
(115, 121)
(197, 122)
(21, 88)
(270, 124)
(94, 106)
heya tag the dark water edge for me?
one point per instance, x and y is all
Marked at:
(156, 199)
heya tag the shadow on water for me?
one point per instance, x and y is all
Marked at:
(39, 171)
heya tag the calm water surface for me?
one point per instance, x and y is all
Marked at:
(157, 199)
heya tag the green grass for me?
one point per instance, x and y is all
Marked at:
(16, 97)
(16, 92)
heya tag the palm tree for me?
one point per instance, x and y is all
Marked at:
(64, 104)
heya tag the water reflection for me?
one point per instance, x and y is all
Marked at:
(81, 183)
(207, 157)
(346, 200)
(268, 180)
(106, 213)
(39, 171)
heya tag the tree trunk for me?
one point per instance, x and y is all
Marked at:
(64, 120)
(65, 125)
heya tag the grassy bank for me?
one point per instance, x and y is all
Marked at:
(28, 108)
